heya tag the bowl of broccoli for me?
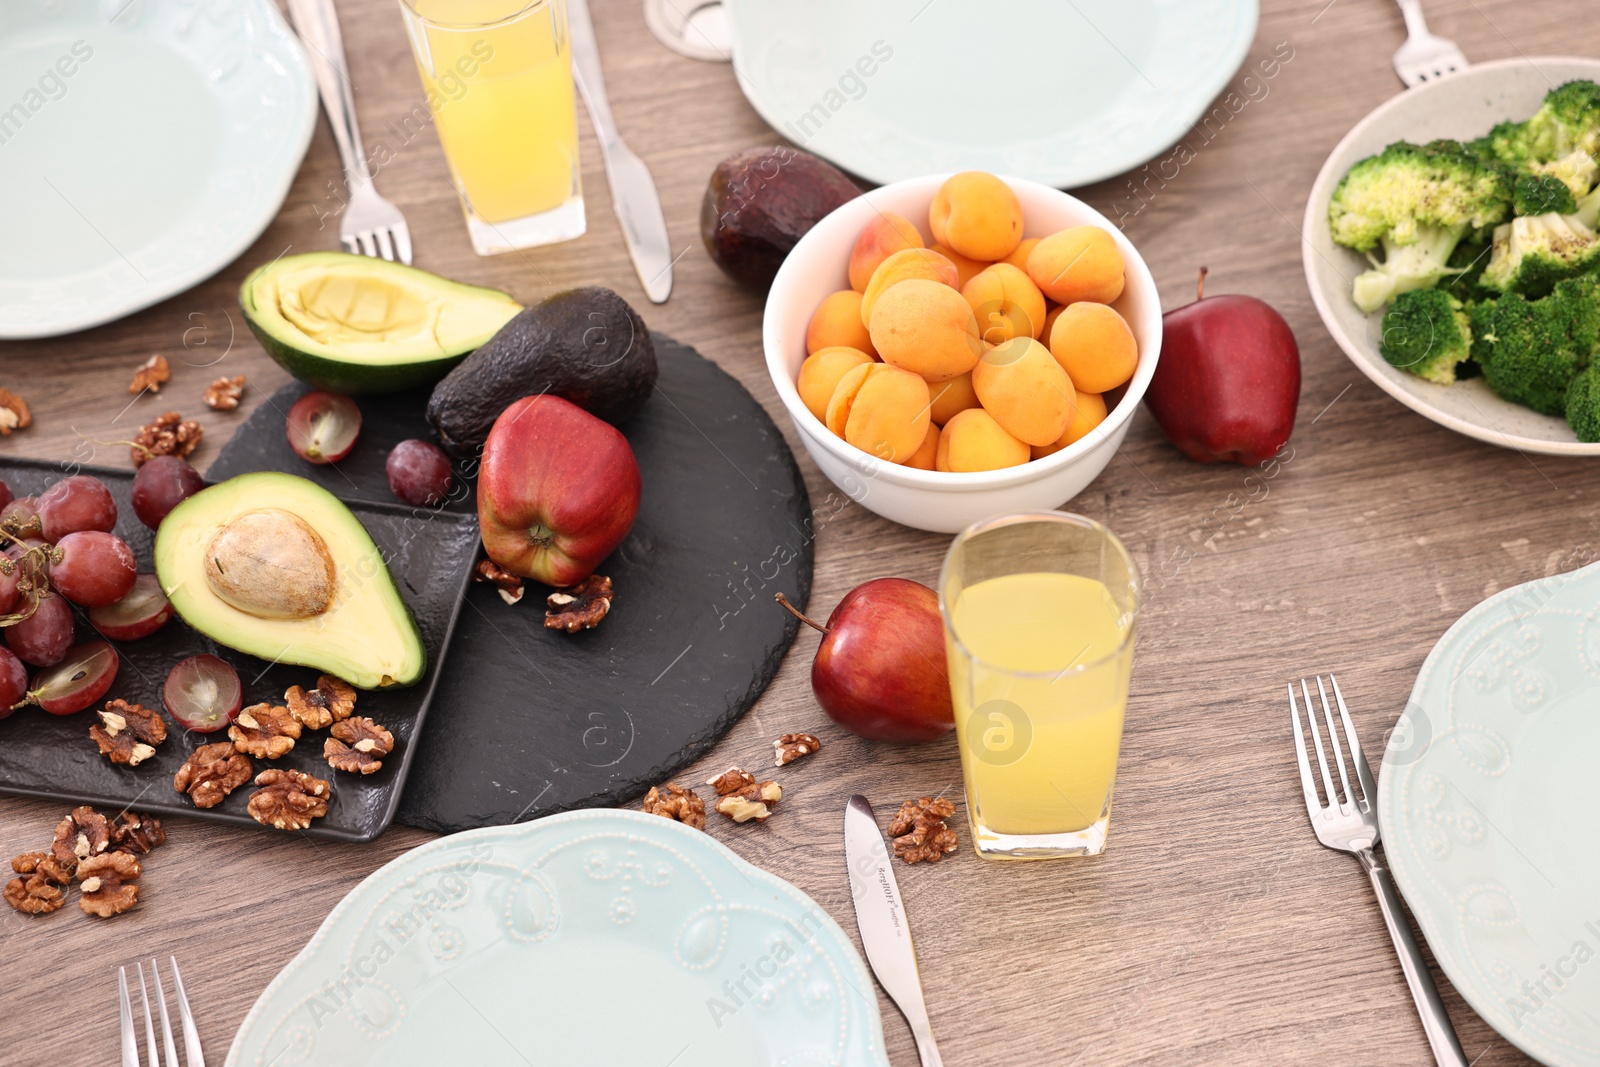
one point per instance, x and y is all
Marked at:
(1452, 248)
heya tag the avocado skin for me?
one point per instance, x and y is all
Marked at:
(584, 345)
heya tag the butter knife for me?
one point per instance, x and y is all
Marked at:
(633, 190)
(881, 917)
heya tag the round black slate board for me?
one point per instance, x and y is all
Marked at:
(526, 721)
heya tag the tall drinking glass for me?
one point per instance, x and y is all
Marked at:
(498, 77)
(1039, 615)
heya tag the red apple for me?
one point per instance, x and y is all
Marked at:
(557, 492)
(880, 671)
(1228, 381)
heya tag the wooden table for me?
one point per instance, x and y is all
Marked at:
(1215, 930)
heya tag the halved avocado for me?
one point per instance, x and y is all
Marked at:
(278, 567)
(356, 324)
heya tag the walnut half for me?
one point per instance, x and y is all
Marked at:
(82, 834)
(211, 773)
(919, 831)
(358, 746)
(791, 747)
(108, 884)
(128, 733)
(136, 833)
(672, 801)
(581, 606)
(751, 802)
(265, 731)
(288, 800)
(331, 701)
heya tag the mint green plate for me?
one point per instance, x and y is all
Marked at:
(1489, 806)
(594, 937)
(144, 144)
(1056, 92)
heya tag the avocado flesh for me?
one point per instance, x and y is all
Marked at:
(366, 635)
(360, 324)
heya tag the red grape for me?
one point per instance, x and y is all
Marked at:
(9, 593)
(6, 496)
(203, 693)
(44, 636)
(79, 680)
(76, 503)
(323, 427)
(139, 614)
(162, 484)
(20, 518)
(419, 473)
(94, 569)
(13, 682)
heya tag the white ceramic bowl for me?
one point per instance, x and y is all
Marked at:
(1463, 106)
(934, 500)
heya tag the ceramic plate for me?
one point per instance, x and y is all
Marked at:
(593, 937)
(1060, 93)
(1489, 802)
(144, 144)
(1463, 106)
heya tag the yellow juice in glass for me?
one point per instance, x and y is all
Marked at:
(1040, 684)
(498, 78)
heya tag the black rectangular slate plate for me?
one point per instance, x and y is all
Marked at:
(51, 756)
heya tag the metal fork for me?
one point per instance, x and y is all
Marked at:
(1425, 57)
(130, 1042)
(1350, 824)
(369, 224)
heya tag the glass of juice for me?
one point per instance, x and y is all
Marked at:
(1039, 613)
(498, 78)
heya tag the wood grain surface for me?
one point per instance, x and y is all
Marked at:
(1215, 930)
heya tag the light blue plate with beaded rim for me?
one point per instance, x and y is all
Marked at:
(144, 145)
(595, 937)
(1060, 93)
(1489, 807)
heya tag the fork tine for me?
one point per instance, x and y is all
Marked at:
(1313, 807)
(350, 245)
(1369, 788)
(192, 1055)
(402, 243)
(1338, 749)
(368, 248)
(1316, 741)
(149, 1023)
(385, 246)
(166, 1023)
(130, 1037)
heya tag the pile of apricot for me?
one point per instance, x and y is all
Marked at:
(981, 352)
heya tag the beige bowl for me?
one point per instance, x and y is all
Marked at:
(934, 500)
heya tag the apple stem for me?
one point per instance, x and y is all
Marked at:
(1200, 286)
(780, 598)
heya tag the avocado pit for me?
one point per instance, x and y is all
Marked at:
(272, 565)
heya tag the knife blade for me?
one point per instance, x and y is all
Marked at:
(633, 190)
(881, 918)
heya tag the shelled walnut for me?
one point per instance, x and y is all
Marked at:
(509, 585)
(37, 889)
(224, 393)
(152, 374)
(751, 802)
(136, 833)
(581, 606)
(14, 413)
(919, 830)
(82, 834)
(288, 800)
(331, 701)
(791, 747)
(169, 434)
(265, 731)
(212, 772)
(358, 746)
(108, 884)
(672, 801)
(731, 781)
(128, 733)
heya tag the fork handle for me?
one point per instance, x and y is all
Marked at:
(1435, 1020)
(318, 25)
(1411, 11)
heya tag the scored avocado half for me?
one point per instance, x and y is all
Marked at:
(278, 567)
(356, 324)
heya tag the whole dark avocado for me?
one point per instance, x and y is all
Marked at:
(584, 345)
(760, 202)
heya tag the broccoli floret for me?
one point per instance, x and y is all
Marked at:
(1541, 194)
(1417, 202)
(1577, 170)
(1426, 332)
(1532, 349)
(1568, 119)
(1534, 252)
(1583, 404)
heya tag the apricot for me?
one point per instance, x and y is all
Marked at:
(965, 268)
(837, 321)
(1005, 302)
(976, 214)
(905, 265)
(881, 238)
(974, 441)
(820, 373)
(1080, 263)
(1052, 313)
(882, 410)
(1025, 389)
(1094, 346)
(1019, 255)
(1089, 412)
(926, 327)
(950, 397)
(923, 458)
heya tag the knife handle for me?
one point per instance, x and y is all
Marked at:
(927, 1051)
(591, 78)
